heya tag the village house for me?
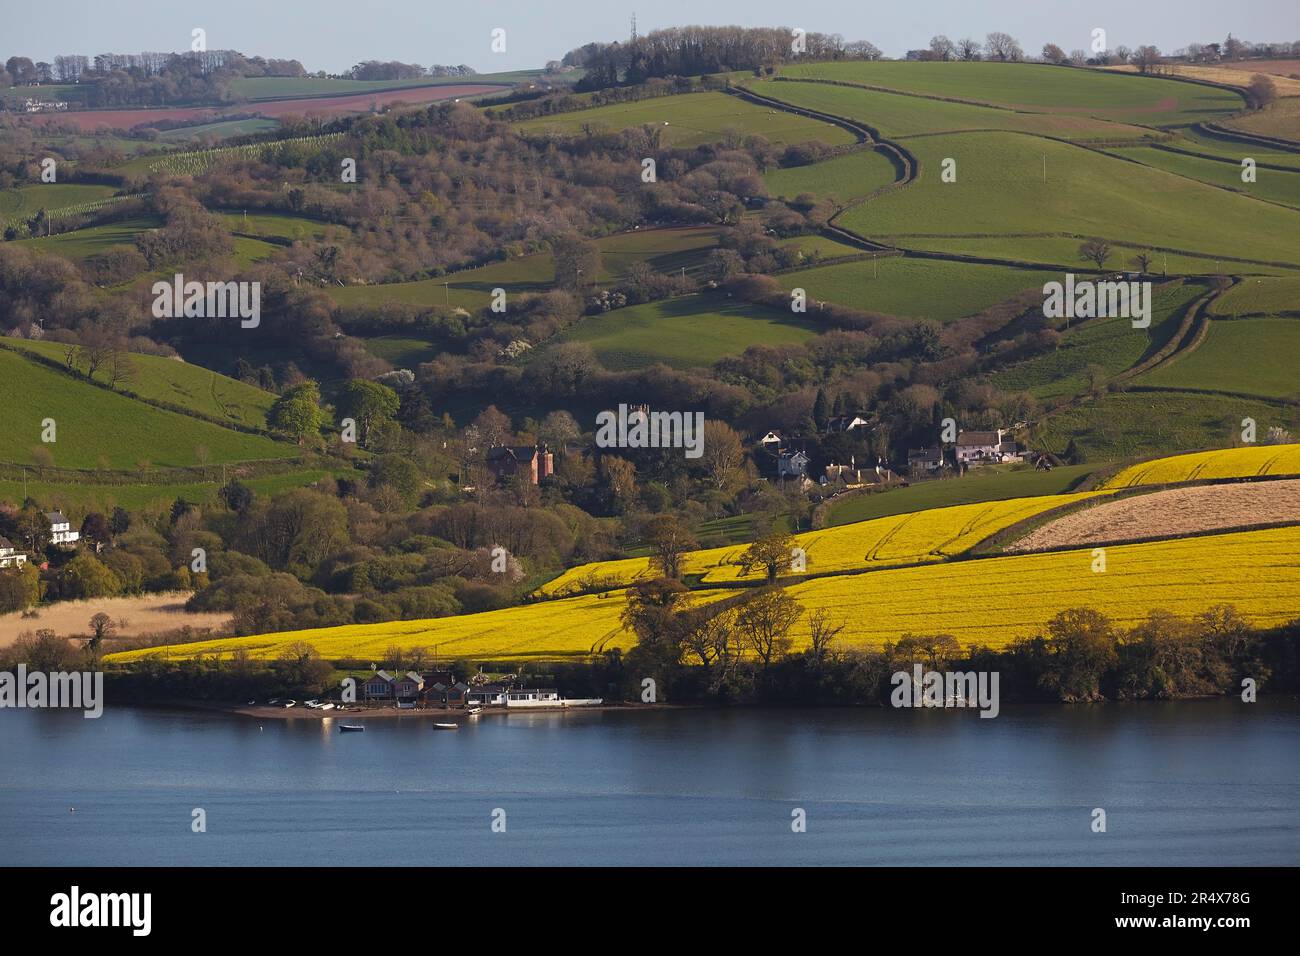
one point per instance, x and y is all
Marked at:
(923, 461)
(61, 532)
(533, 464)
(382, 687)
(851, 476)
(978, 447)
(792, 464)
(771, 441)
(10, 557)
(849, 423)
(487, 695)
(440, 690)
(533, 697)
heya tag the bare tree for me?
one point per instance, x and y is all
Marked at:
(821, 633)
(1142, 261)
(1147, 59)
(968, 48)
(1054, 54)
(1003, 47)
(1095, 251)
(765, 619)
(942, 47)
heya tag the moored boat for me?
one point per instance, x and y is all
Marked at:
(350, 728)
(446, 726)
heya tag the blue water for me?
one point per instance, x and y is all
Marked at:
(1197, 782)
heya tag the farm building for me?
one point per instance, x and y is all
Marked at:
(533, 463)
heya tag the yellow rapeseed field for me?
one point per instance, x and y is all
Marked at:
(916, 538)
(989, 601)
(1246, 462)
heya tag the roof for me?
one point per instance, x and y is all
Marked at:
(924, 453)
(5, 544)
(383, 675)
(518, 453)
(978, 438)
(56, 517)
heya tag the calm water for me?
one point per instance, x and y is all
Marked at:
(1199, 782)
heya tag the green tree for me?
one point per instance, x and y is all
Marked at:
(771, 553)
(87, 577)
(669, 541)
(297, 412)
(369, 404)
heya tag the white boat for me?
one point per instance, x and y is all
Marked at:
(325, 707)
(446, 726)
(474, 711)
(350, 728)
(288, 703)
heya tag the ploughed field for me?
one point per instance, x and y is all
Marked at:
(1176, 511)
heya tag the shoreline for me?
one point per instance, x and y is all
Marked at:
(267, 712)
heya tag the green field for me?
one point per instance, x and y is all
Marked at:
(693, 118)
(666, 250)
(220, 130)
(1252, 356)
(1279, 119)
(1112, 344)
(995, 483)
(1271, 184)
(1255, 295)
(1000, 189)
(97, 428)
(844, 179)
(277, 225)
(104, 498)
(259, 88)
(26, 201)
(917, 288)
(819, 246)
(1232, 149)
(1139, 424)
(179, 383)
(896, 115)
(1123, 98)
(94, 241)
(401, 351)
(1063, 251)
(694, 330)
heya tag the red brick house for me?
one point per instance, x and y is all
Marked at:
(532, 463)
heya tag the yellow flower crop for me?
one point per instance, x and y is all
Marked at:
(1249, 462)
(989, 601)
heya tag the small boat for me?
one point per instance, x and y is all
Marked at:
(474, 711)
(350, 728)
(446, 726)
(325, 707)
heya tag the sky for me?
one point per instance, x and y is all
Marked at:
(332, 35)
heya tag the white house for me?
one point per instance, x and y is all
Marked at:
(848, 423)
(771, 441)
(10, 557)
(61, 532)
(791, 464)
(976, 447)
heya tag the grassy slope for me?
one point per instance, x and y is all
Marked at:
(1112, 344)
(922, 288)
(694, 118)
(27, 200)
(844, 179)
(191, 386)
(1133, 424)
(1280, 119)
(94, 241)
(1254, 294)
(995, 484)
(1110, 96)
(96, 426)
(1000, 189)
(694, 330)
(1254, 356)
(897, 115)
(664, 249)
(258, 88)
(1232, 149)
(1271, 184)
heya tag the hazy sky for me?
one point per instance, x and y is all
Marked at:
(333, 34)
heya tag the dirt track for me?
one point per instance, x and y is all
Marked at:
(1174, 512)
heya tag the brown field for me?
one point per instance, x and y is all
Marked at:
(143, 615)
(324, 106)
(1178, 511)
(1289, 67)
(1236, 73)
